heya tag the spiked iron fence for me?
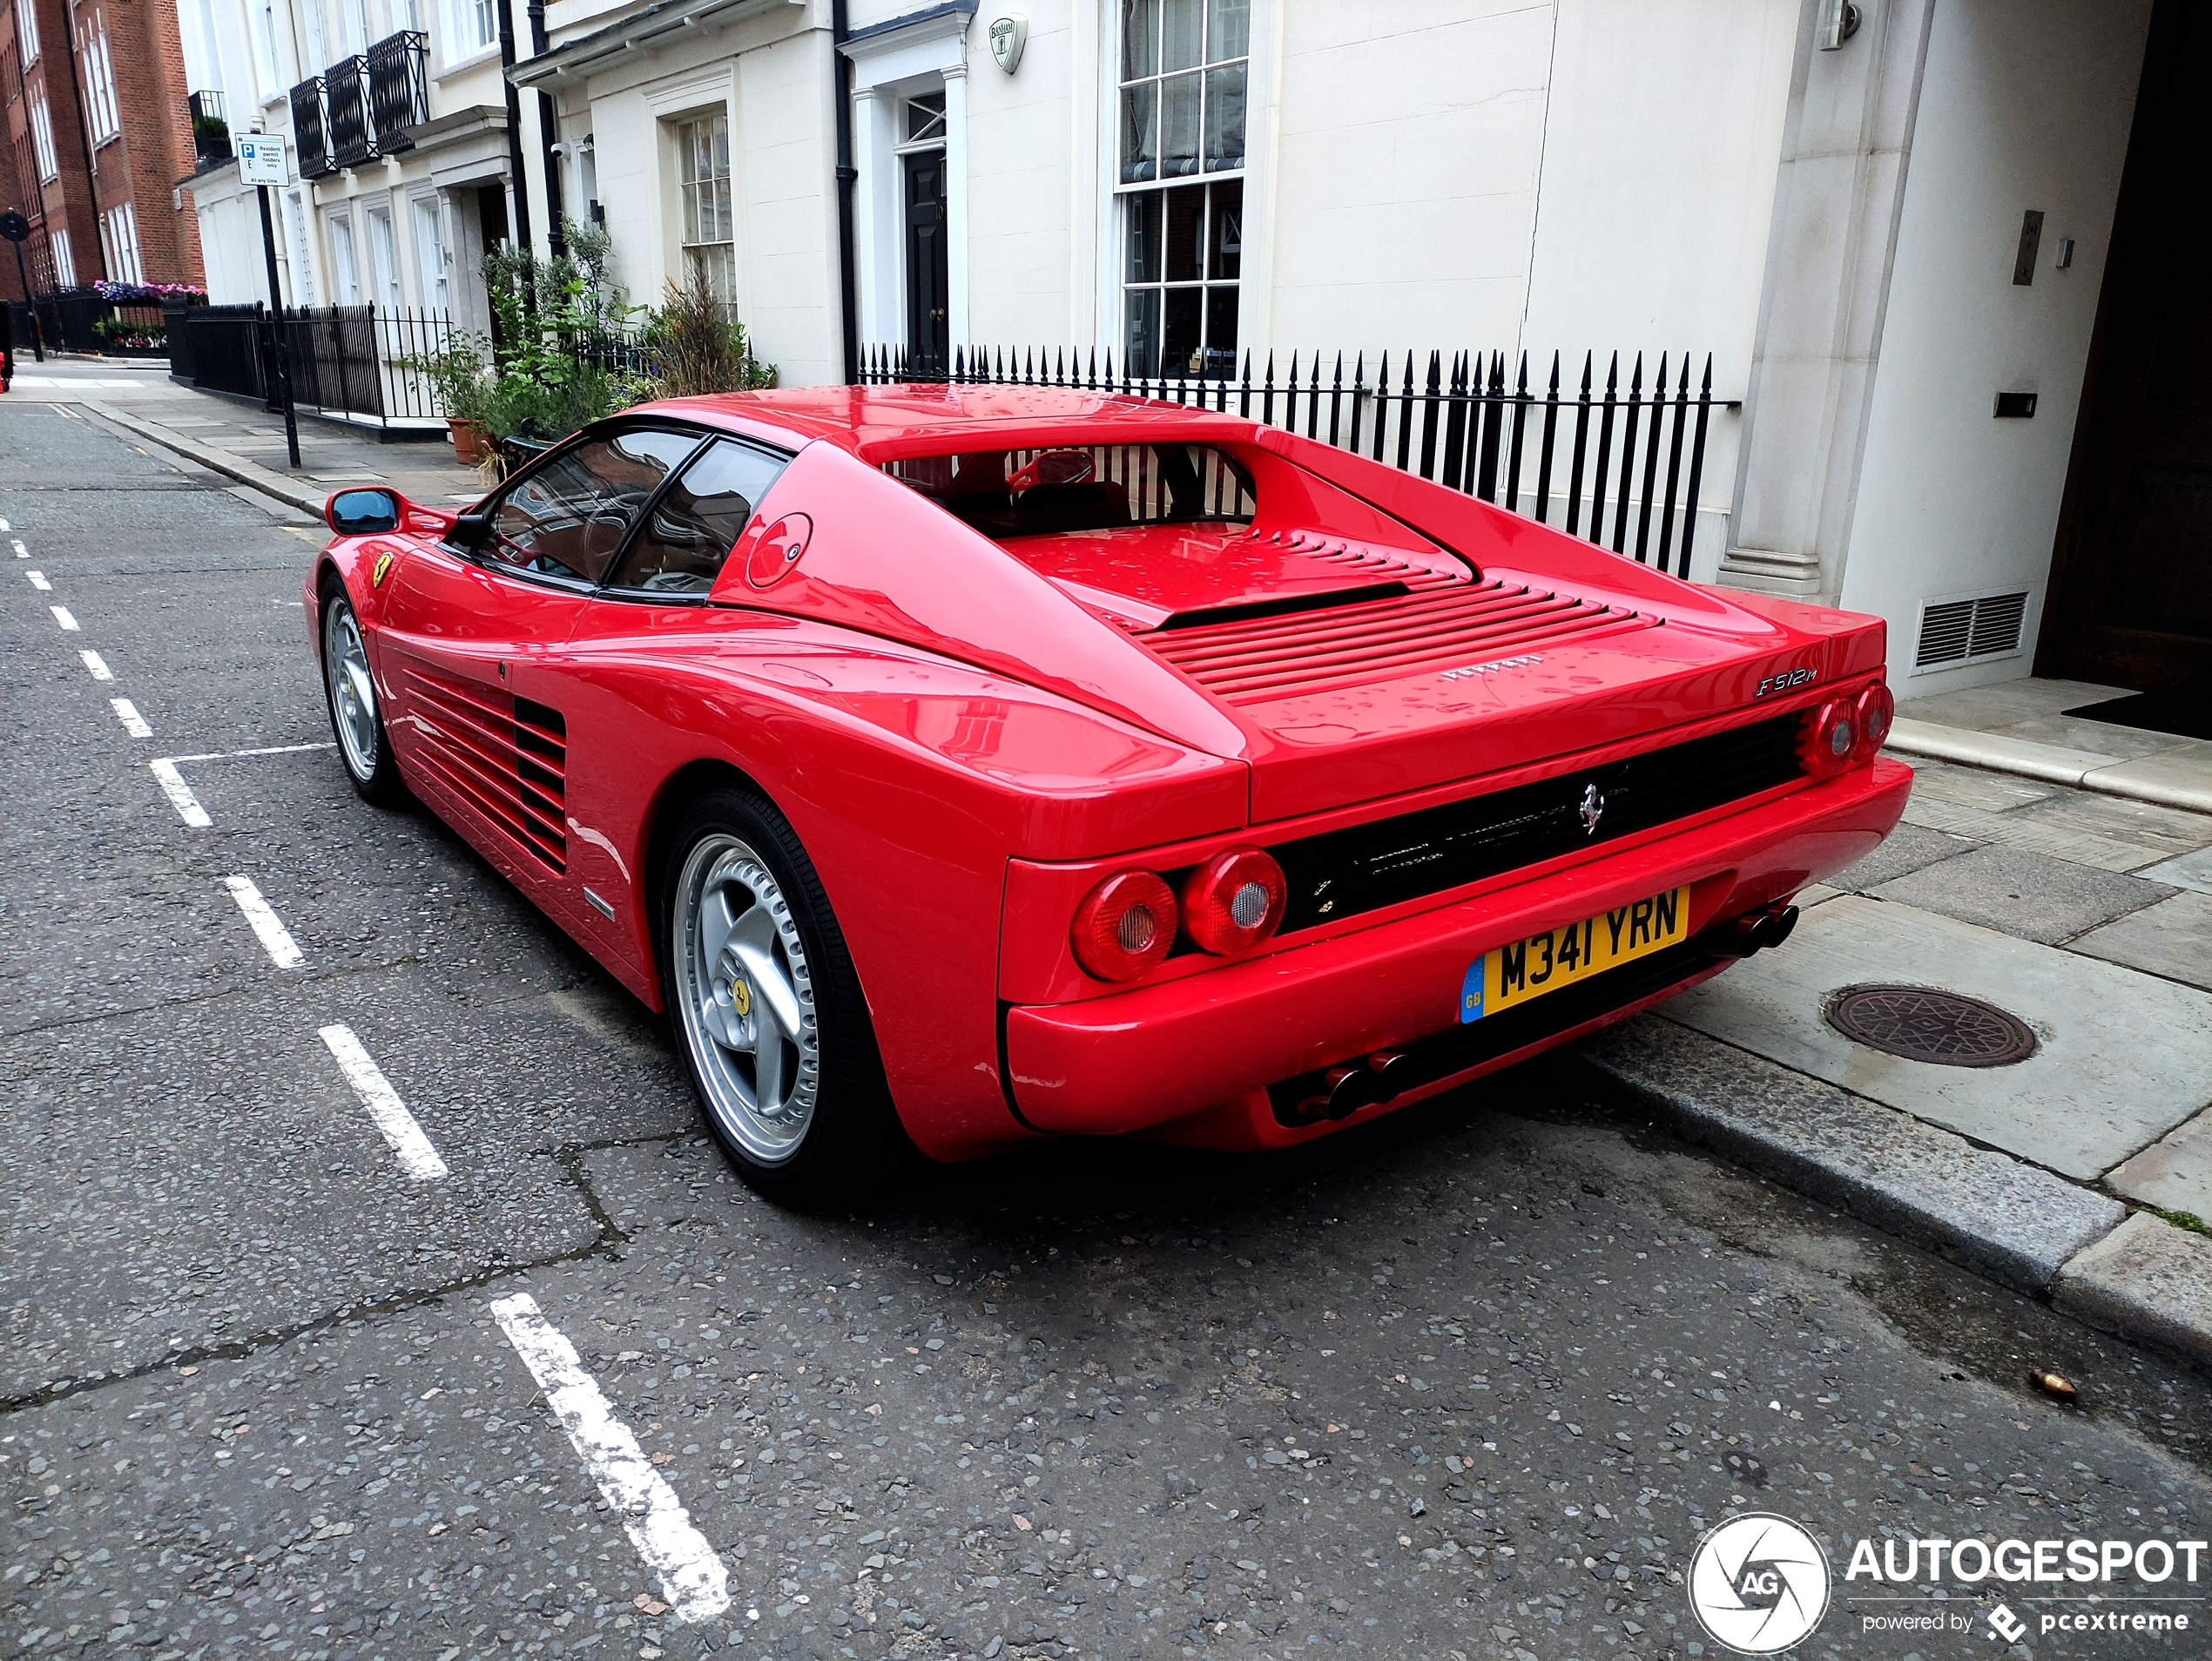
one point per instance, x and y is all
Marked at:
(1620, 467)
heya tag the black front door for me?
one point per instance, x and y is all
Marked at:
(928, 272)
(2131, 602)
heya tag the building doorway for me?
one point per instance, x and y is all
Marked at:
(928, 263)
(2131, 599)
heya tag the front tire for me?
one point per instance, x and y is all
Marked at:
(767, 1010)
(350, 689)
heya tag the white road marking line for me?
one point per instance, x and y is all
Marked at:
(277, 940)
(179, 794)
(416, 1156)
(691, 1576)
(133, 723)
(274, 749)
(63, 616)
(39, 580)
(22, 552)
(97, 665)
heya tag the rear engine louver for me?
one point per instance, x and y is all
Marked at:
(1439, 622)
(1962, 631)
(506, 756)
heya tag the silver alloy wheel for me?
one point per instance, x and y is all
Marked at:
(352, 694)
(746, 998)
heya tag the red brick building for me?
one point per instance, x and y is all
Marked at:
(99, 137)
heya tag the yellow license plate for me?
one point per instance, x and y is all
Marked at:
(1510, 977)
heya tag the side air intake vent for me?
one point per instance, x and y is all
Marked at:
(506, 756)
(1970, 628)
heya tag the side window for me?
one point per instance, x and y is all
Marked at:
(566, 517)
(681, 547)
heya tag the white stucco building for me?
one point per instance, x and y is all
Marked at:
(1876, 218)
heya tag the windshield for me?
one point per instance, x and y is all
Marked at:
(1095, 487)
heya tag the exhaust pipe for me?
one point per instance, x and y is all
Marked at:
(1758, 931)
(1368, 1082)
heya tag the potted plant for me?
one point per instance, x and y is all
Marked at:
(462, 387)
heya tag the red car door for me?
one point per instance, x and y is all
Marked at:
(470, 637)
(651, 604)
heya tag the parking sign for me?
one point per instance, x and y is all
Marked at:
(261, 159)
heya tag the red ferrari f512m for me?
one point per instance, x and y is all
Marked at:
(964, 765)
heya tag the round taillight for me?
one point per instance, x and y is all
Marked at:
(1235, 899)
(1125, 926)
(1835, 729)
(1876, 711)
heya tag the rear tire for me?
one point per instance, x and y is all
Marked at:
(767, 1011)
(349, 692)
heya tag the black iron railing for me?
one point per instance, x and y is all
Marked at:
(1618, 465)
(211, 130)
(309, 134)
(345, 360)
(346, 98)
(398, 94)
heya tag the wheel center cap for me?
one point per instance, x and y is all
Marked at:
(740, 997)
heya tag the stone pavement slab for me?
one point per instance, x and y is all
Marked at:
(2172, 939)
(2018, 827)
(2123, 1059)
(1993, 792)
(1994, 1213)
(2033, 896)
(2148, 1280)
(2189, 871)
(1908, 848)
(2174, 1173)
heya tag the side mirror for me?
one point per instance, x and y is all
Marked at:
(471, 531)
(362, 513)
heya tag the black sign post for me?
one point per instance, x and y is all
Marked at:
(261, 162)
(15, 227)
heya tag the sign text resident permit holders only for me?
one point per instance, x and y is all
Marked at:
(260, 160)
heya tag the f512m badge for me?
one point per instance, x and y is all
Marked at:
(1787, 680)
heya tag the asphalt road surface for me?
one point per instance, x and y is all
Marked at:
(1471, 1383)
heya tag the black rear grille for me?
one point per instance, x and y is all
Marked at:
(1341, 873)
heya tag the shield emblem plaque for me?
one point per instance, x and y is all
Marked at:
(1010, 34)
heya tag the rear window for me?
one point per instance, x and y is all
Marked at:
(1095, 487)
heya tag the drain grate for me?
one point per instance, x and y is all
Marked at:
(1944, 1028)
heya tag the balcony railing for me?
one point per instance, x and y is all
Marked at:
(211, 130)
(398, 94)
(345, 95)
(308, 132)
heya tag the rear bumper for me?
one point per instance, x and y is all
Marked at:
(1143, 1058)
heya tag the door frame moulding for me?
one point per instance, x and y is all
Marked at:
(891, 61)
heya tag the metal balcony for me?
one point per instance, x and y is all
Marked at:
(345, 95)
(398, 94)
(211, 130)
(309, 134)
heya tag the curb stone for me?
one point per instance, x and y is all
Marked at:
(2146, 1280)
(215, 461)
(2145, 779)
(2013, 1221)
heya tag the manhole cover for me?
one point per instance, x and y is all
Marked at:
(1945, 1029)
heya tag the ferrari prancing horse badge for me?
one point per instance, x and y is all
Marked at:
(383, 570)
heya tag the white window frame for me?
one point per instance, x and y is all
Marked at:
(432, 262)
(1122, 194)
(345, 267)
(27, 31)
(64, 257)
(383, 254)
(42, 137)
(100, 118)
(714, 192)
(472, 28)
(119, 241)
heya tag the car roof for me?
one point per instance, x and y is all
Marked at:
(883, 423)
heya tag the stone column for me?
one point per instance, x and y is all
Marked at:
(957, 202)
(1846, 142)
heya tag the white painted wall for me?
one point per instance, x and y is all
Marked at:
(2026, 104)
